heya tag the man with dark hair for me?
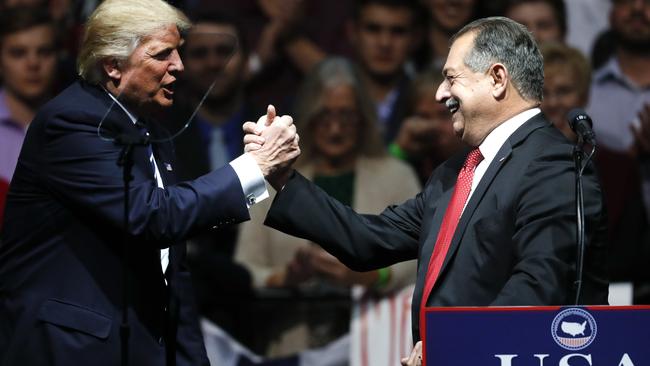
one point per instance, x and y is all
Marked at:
(383, 34)
(624, 79)
(446, 17)
(27, 68)
(619, 104)
(495, 224)
(545, 19)
(214, 55)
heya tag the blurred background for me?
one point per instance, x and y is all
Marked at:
(359, 77)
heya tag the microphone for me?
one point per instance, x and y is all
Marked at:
(581, 124)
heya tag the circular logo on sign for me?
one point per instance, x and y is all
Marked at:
(573, 329)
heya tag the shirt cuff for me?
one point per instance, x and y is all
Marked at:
(251, 179)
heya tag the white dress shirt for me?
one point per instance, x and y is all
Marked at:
(493, 142)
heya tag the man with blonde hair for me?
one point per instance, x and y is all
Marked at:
(66, 278)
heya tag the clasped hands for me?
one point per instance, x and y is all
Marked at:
(273, 143)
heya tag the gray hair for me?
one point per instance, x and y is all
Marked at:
(117, 27)
(499, 39)
(330, 73)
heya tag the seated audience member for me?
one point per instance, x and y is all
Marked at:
(383, 34)
(545, 19)
(285, 41)
(618, 104)
(620, 88)
(27, 69)
(214, 55)
(344, 155)
(446, 17)
(567, 78)
(427, 137)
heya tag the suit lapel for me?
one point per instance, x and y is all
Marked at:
(447, 181)
(163, 156)
(115, 121)
(163, 152)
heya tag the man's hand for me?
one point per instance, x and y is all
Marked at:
(294, 273)
(415, 359)
(273, 143)
(333, 270)
(641, 132)
(416, 136)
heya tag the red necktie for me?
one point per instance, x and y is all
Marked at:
(448, 226)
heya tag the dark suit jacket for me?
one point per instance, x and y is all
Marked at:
(515, 243)
(220, 284)
(61, 253)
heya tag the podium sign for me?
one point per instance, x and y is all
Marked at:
(537, 336)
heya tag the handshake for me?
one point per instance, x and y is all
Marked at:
(273, 143)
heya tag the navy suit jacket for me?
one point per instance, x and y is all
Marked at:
(515, 243)
(61, 252)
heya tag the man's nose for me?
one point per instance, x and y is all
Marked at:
(176, 64)
(443, 93)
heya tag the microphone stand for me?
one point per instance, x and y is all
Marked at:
(125, 160)
(580, 161)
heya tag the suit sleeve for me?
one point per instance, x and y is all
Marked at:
(81, 169)
(254, 246)
(361, 242)
(545, 236)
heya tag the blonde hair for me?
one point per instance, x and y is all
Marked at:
(558, 56)
(117, 27)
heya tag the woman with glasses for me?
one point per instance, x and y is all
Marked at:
(342, 152)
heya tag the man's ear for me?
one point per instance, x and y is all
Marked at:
(111, 67)
(499, 75)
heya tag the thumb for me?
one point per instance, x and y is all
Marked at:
(270, 114)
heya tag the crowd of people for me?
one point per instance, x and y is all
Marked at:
(359, 78)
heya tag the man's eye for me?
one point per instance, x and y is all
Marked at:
(399, 31)
(372, 28)
(17, 52)
(161, 56)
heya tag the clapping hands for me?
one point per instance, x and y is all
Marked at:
(641, 132)
(313, 261)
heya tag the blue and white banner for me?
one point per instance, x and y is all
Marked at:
(537, 336)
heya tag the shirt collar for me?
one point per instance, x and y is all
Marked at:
(493, 142)
(612, 71)
(5, 116)
(133, 118)
(4, 110)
